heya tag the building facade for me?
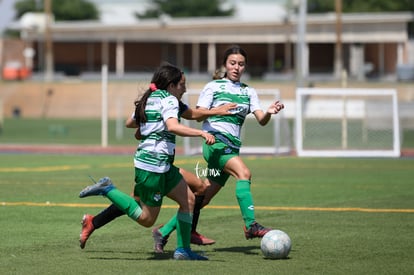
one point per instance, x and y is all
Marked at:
(372, 45)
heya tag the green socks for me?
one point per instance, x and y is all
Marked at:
(169, 227)
(245, 200)
(184, 229)
(125, 203)
(182, 221)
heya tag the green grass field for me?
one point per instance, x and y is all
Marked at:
(88, 131)
(344, 216)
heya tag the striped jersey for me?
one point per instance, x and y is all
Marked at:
(218, 92)
(156, 151)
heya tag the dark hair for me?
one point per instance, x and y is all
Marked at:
(162, 78)
(235, 49)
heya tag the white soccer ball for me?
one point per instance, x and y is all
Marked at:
(275, 244)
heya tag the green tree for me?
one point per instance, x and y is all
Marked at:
(24, 6)
(63, 10)
(186, 8)
(320, 6)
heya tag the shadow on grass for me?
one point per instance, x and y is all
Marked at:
(124, 255)
(161, 256)
(248, 250)
(140, 256)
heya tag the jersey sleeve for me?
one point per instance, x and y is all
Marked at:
(205, 99)
(254, 101)
(169, 108)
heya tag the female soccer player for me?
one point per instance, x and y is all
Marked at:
(155, 175)
(90, 223)
(223, 155)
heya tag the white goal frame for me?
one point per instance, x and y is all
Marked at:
(276, 123)
(342, 94)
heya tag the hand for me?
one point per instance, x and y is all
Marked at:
(208, 137)
(224, 109)
(275, 107)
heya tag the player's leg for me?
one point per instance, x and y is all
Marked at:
(185, 199)
(198, 187)
(90, 223)
(236, 167)
(124, 202)
(200, 202)
(162, 233)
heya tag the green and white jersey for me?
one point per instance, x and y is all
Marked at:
(156, 151)
(218, 92)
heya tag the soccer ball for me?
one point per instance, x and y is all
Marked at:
(275, 244)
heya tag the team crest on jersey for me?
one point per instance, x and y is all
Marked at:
(157, 197)
(244, 90)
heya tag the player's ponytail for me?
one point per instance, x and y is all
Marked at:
(140, 104)
(219, 73)
(163, 76)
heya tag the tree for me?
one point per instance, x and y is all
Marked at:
(63, 10)
(186, 8)
(320, 6)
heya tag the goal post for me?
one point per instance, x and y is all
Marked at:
(274, 138)
(339, 122)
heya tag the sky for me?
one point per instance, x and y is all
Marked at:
(121, 10)
(6, 13)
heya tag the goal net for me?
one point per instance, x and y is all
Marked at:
(274, 138)
(347, 123)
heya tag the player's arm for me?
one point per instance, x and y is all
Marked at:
(174, 126)
(200, 114)
(131, 123)
(274, 108)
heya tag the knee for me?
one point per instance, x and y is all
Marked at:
(244, 174)
(201, 187)
(146, 220)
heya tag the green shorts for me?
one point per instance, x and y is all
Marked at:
(217, 155)
(151, 187)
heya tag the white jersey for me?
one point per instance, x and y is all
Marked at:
(218, 92)
(156, 151)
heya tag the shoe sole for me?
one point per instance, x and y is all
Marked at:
(197, 243)
(95, 190)
(155, 235)
(184, 257)
(82, 243)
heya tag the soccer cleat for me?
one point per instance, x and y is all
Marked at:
(102, 187)
(87, 229)
(255, 231)
(199, 239)
(187, 254)
(159, 240)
